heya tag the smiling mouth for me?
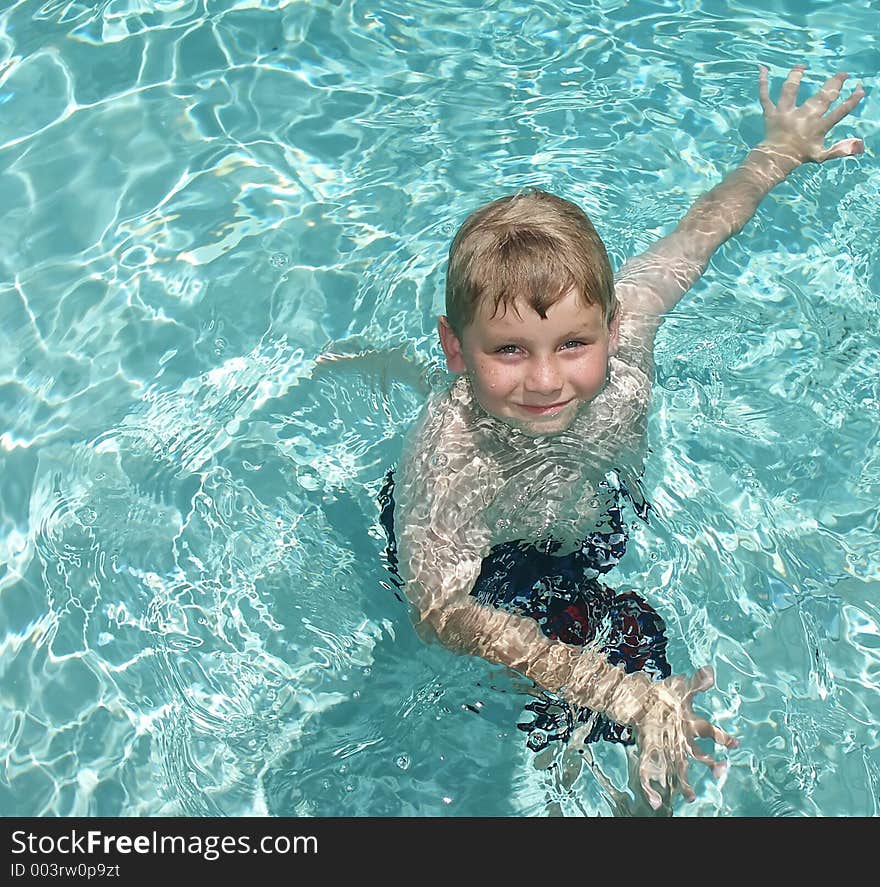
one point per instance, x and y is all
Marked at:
(548, 410)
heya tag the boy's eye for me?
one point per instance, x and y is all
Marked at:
(574, 343)
(507, 349)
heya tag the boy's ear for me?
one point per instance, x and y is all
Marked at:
(451, 346)
(614, 329)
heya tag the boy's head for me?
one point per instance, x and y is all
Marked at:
(531, 314)
(529, 248)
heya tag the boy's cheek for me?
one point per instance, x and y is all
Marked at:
(486, 392)
(492, 382)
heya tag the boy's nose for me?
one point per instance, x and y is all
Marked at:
(544, 377)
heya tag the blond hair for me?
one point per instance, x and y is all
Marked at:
(529, 248)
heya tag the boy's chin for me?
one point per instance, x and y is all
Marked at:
(545, 427)
(532, 429)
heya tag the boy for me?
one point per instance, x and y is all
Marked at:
(507, 496)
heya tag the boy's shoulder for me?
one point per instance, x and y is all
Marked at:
(446, 415)
(638, 329)
(442, 440)
(445, 479)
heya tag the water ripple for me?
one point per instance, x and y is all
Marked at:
(223, 257)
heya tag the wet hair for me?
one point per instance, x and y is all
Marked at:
(529, 248)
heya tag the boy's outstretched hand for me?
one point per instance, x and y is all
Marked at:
(796, 134)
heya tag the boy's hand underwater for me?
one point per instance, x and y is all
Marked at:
(796, 134)
(666, 735)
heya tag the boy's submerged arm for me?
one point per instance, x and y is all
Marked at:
(653, 282)
(441, 573)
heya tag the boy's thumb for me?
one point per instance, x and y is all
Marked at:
(843, 148)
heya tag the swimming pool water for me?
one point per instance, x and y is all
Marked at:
(222, 256)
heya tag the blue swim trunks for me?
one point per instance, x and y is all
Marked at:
(563, 595)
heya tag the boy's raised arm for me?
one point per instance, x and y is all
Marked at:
(653, 282)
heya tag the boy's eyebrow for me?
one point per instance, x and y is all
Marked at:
(581, 332)
(516, 338)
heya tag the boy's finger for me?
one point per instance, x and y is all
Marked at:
(653, 797)
(790, 88)
(843, 148)
(681, 772)
(703, 679)
(764, 90)
(703, 757)
(707, 730)
(685, 787)
(845, 107)
(719, 769)
(829, 92)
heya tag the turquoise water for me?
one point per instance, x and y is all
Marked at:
(221, 260)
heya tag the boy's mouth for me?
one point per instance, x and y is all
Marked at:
(549, 410)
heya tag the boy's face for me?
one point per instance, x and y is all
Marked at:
(534, 372)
